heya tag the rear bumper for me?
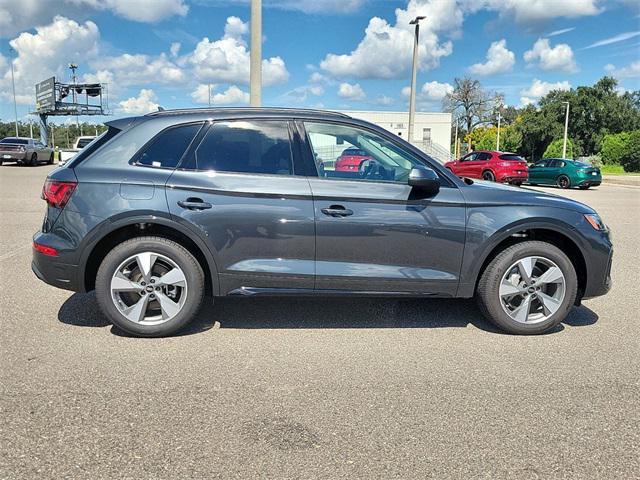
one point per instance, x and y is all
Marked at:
(56, 271)
(514, 179)
(13, 156)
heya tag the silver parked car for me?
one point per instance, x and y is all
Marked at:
(25, 151)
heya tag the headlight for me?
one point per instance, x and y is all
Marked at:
(595, 221)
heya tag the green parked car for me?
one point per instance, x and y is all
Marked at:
(564, 173)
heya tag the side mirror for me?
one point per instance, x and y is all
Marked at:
(425, 180)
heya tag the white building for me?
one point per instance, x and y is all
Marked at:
(431, 131)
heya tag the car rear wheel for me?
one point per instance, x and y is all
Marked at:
(563, 181)
(34, 160)
(528, 288)
(150, 286)
(488, 176)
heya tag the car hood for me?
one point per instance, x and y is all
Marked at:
(496, 194)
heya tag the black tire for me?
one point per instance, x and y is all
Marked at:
(34, 160)
(488, 176)
(178, 254)
(517, 184)
(487, 293)
(584, 187)
(50, 162)
(563, 182)
(533, 184)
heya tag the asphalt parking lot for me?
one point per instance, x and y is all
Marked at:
(315, 388)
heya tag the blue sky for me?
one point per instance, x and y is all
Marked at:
(347, 54)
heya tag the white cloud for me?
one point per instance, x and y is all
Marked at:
(302, 94)
(351, 92)
(615, 39)
(539, 89)
(383, 100)
(227, 60)
(231, 96)
(201, 93)
(630, 71)
(19, 15)
(138, 10)
(559, 58)
(536, 12)
(499, 60)
(47, 52)
(430, 92)
(332, 7)
(386, 50)
(562, 31)
(138, 69)
(145, 102)
(174, 50)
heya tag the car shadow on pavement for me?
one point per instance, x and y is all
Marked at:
(323, 313)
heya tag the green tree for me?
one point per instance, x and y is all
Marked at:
(613, 147)
(484, 138)
(554, 150)
(630, 159)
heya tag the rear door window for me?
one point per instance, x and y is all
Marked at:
(483, 156)
(168, 147)
(246, 146)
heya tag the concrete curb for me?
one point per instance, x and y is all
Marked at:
(627, 180)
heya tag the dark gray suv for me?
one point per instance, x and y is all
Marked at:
(164, 208)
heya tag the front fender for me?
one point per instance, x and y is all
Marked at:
(487, 228)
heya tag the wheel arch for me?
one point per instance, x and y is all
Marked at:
(133, 227)
(546, 232)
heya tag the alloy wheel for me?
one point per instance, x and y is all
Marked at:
(149, 288)
(532, 290)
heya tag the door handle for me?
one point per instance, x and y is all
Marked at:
(337, 211)
(192, 203)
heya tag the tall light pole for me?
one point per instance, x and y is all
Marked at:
(498, 135)
(414, 73)
(209, 90)
(15, 104)
(566, 128)
(255, 73)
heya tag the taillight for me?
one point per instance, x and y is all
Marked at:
(56, 193)
(50, 251)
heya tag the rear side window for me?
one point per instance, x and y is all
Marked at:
(511, 157)
(483, 156)
(245, 146)
(95, 145)
(168, 147)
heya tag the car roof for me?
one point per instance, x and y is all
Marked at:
(248, 111)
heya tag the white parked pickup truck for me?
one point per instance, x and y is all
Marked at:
(68, 153)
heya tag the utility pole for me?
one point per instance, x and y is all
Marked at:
(30, 127)
(209, 91)
(455, 145)
(414, 73)
(15, 104)
(255, 73)
(566, 129)
(498, 135)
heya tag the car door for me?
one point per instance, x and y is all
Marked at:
(238, 189)
(552, 171)
(537, 171)
(478, 165)
(464, 166)
(374, 233)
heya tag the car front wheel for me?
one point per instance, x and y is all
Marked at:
(528, 288)
(150, 286)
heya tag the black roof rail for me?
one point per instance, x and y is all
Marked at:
(184, 111)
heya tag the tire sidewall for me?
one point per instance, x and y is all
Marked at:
(489, 173)
(559, 182)
(490, 301)
(187, 263)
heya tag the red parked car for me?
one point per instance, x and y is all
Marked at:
(492, 166)
(351, 159)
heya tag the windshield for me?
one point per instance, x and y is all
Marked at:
(582, 164)
(18, 141)
(511, 157)
(83, 142)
